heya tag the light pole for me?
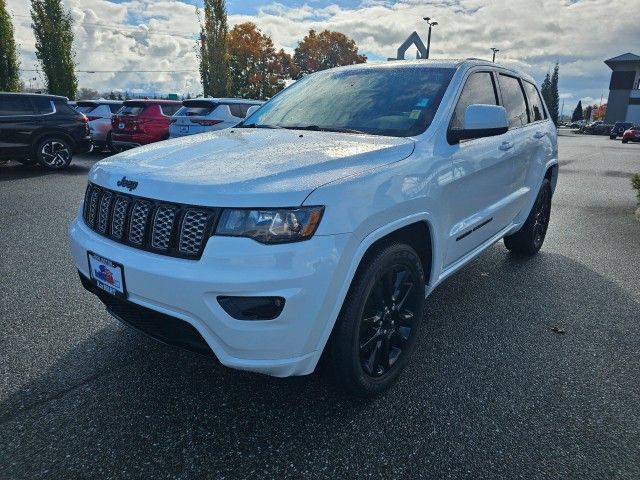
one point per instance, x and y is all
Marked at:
(494, 53)
(431, 24)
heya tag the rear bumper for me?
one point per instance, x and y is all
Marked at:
(308, 275)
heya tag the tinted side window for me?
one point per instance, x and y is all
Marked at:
(114, 107)
(478, 89)
(43, 105)
(65, 109)
(536, 110)
(169, 110)
(513, 100)
(239, 109)
(10, 105)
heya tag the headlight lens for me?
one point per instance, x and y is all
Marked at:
(279, 225)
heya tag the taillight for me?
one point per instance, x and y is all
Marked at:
(84, 118)
(207, 123)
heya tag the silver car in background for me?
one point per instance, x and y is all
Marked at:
(206, 114)
(99, 113)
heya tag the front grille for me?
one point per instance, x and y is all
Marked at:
(175, 230)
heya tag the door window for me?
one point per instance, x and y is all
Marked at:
(513, 101)
(478, 89)
(11, 105)
(536, 110)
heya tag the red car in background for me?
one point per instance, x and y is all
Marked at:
(631, 135)
(140, 122)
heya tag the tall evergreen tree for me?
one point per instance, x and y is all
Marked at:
(554, 108)
(9, 66)
(544, 88)
(52, 27)
(577, 113)
(214, 62)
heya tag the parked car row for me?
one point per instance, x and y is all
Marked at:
(49, 130)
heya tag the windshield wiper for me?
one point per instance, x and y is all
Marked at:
(317, 128)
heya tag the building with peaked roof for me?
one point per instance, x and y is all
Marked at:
(624, 89)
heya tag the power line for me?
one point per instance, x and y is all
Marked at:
(128, 29)
(119, 71)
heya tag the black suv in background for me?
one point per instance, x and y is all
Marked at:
(619, 128)
(41, 128)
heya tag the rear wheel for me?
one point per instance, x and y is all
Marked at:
(54, 153)
(529, 239)
(612, 137)
(379, 322)
(625, 141)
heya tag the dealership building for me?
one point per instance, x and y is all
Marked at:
(624, 89)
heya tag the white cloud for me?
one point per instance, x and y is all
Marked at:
(531, 35)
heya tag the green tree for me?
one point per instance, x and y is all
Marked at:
(587, 113)
(577, 113)
(325, 50)
(214, 69)
(52, 27)
(9, 65)
(554, 96)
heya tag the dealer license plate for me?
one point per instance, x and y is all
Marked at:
(107, 275)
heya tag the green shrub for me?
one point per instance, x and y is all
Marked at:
(635, 183)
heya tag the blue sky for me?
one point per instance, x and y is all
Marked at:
(134, 35)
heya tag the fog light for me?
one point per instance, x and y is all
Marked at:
(252, 308)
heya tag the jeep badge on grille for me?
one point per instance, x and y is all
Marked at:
(130, 184)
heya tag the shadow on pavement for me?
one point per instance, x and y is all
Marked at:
(491, 391)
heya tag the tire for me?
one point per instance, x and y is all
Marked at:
(625, 141)
(54, 153)
(112, 147)
(612, 137)
(529, 239)
(379, 322)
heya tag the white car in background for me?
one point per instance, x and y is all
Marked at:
(98, 113)
(206, 114)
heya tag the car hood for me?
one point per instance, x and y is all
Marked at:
(247, 167)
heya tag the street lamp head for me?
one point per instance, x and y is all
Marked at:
(426, 18)
(433, 24)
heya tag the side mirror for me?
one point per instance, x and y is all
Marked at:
(480, 121)
(252, 109)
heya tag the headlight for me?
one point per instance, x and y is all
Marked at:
(278, 225)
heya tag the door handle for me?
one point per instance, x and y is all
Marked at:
(506, 145)
(538, 135)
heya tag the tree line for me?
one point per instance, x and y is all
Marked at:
(590, 112)
(241, 62)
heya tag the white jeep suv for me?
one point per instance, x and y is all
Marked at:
(321, 222)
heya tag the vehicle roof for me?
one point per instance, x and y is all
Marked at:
(223, 99)
(152, 101)
(101, 101)
(44, 95)
(466, 64)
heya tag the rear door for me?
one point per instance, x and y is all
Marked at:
(18, 120)
(533, 143)
(478, 198)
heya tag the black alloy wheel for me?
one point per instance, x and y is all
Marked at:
(379, 322)
(54, 153)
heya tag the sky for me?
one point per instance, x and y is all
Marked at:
(117, 39)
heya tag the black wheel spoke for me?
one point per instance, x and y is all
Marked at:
(406, 295)
(369, 343)
(400, 276)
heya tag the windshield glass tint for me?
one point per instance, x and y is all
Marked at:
(396, 101)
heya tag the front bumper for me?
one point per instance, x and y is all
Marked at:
(308, 275)
(83, 145)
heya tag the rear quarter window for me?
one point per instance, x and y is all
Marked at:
(536, 109)
(43, 105)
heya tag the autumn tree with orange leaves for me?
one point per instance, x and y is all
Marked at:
(256, 69)
(319, 51)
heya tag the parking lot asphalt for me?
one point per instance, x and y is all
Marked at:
(491, 391)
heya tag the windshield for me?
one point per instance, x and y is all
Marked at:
(394, 101)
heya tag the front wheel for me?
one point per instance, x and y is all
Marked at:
(379, 322)
(54, 153)
(529, 239)
(612, 137)
(625, 141)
